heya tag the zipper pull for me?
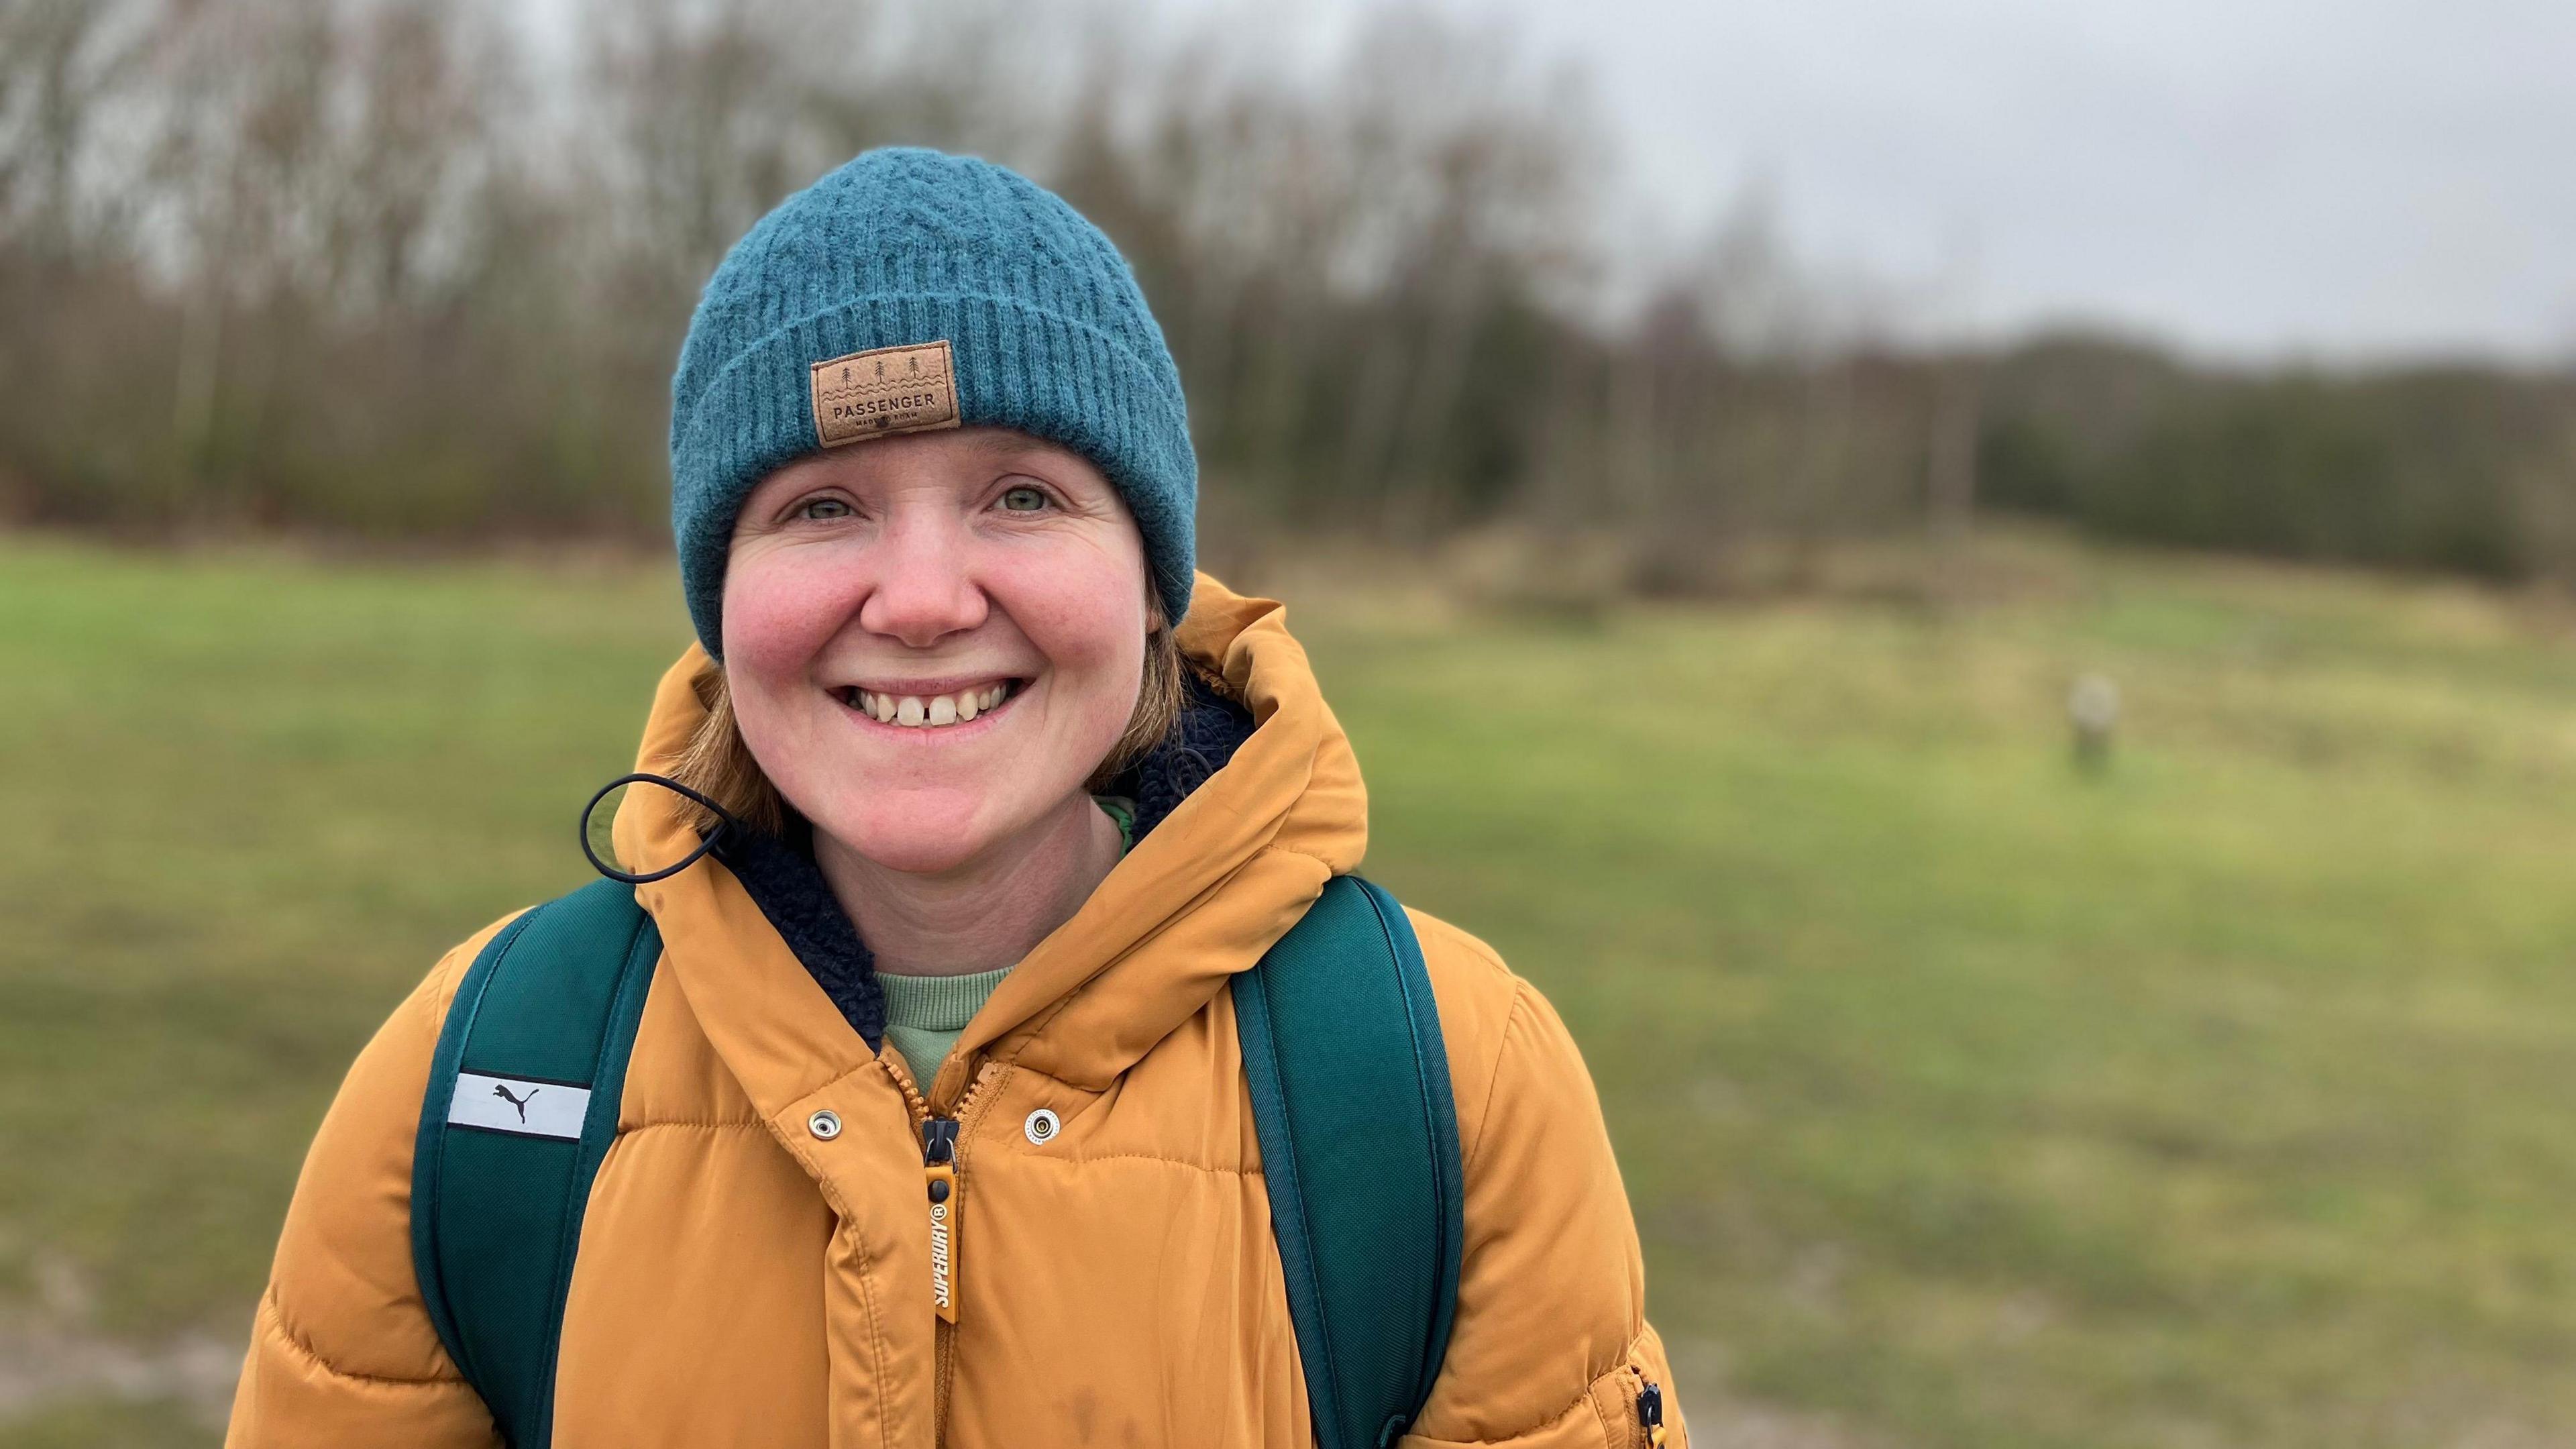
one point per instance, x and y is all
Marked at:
(939, 1169)
(1650, 1412)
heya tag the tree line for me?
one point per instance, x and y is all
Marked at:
(417, 270)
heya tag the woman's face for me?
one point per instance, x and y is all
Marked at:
(933, 639)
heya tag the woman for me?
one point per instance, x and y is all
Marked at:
(960, 697)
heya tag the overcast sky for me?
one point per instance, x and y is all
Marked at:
(2252, 177)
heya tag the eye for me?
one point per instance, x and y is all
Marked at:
(822, 509)
(1024, 498)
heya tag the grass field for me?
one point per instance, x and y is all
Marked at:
(1964, 1101)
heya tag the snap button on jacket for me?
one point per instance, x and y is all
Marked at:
(747, 1278)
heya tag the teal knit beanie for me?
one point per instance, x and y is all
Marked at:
(911, 290)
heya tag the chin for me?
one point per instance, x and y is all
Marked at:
(926, 837)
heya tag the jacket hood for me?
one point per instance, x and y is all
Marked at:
(1199, 898)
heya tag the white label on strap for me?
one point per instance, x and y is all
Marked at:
(528, 1109)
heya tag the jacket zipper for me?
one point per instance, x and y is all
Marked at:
(944, 1188)
(939, 1168)
(1650, 1412)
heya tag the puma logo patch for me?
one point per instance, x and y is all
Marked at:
(518, 1106)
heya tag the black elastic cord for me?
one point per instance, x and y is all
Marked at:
(731, 826)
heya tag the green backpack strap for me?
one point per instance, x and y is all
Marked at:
(522, 1105)
(1359, 1150)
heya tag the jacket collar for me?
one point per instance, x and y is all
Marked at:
(1199, 898)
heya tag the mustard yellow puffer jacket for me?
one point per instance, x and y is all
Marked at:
(742, 1283)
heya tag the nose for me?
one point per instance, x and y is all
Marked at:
(924, 591)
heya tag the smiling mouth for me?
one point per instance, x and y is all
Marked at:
(931, 711)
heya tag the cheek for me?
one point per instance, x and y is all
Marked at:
(778, 617)
(1089, 622)
(779, 613)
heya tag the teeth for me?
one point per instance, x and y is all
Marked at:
(914, 712)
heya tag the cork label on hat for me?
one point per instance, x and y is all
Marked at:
(884, 390)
